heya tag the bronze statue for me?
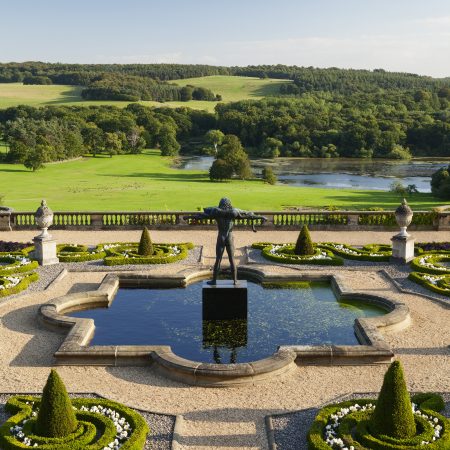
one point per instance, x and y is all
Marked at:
(224, 216)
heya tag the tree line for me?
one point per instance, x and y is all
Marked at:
(36, 136)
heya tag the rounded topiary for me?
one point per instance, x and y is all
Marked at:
(393, 415)
(56, 417)
(304, 245)
(145, 244)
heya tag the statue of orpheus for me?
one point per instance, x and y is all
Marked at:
(224, 215)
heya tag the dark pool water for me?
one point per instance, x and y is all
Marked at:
(275, 317)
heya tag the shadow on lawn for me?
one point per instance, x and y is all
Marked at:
(183, 177)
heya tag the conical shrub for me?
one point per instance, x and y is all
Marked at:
(56, 417)
(393, 414)
(304, 245)
(145, 244)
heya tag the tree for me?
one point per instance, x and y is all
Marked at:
(393, 414)
(399, 152)
(93, 138)
(186, 93)
(304, 245)
(220, 170)
(268, 175)
(113, 144)
(56, 417)
(214, 137)
(272, 148)
(232, 152)
(440, 183)
(36, 157)
(397, 187)
(145, 244)
(135, 140)
(168, 141)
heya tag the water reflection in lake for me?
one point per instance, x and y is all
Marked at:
(342, 173)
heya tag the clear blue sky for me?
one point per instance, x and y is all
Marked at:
(401, 35)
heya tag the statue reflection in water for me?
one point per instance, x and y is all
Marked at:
(224, 215)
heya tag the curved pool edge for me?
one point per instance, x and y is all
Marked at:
(75, 349)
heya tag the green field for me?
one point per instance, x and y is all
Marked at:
(231, 88)
(147, 182)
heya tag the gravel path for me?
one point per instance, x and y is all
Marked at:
(161, 425)
(290, 430)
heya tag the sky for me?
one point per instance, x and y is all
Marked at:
(396, 35)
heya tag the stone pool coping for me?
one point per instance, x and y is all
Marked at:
(75, 349)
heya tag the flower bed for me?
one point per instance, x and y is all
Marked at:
(433, 282)
(13, 247)
(346, 425)
(433, 247)
(79, 253)
(16, 263)
(284, 253)
(370, 252)
(127, 253)
(430, 263)
(15, 283)
(102, 424)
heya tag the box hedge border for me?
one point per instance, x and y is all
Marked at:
(23, 284)
(291, 258)
(417, 277)
(20, 410)
(428, 403)
(433, 258)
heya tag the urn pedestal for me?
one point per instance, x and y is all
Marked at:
(402, 249)
(44, 245)
(403, 243)
(45, 250)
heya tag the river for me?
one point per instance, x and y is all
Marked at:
(338, 173)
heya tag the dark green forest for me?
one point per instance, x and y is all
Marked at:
(325, 113)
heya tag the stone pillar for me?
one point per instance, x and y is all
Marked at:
(402, 249)
(5, 222)
(44, 245)
(403, 243)
(45, 250)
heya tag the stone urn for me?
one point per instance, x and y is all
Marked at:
(403, 216)
(44, 218)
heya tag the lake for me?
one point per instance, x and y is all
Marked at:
(376, 174)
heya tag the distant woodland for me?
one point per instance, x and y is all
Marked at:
(323, 113)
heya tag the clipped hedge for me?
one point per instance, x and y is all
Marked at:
(21, 286)
(430, 263)
(79, 253)
(355, 430)
(370, 252)
(95, 431)
(127, 253)
(436, 283)
(285, 254)
(14, 265)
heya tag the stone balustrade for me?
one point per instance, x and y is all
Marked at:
(284, 220)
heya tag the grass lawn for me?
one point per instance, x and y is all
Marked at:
(147, 182)
(231, 88)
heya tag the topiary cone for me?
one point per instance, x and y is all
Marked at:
(393, 414)
(56, 417)
(304, 245)
(145, 244)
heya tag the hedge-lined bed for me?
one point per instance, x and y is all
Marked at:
(15, 283)
(370, 252)
(101, 424)
(284, 253)
(432, 247)
(431, 263)
(347, 424)
(15, 264)
(436, 283)
(79, 253)
(120, 253)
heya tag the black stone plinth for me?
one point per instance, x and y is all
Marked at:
(225, 300)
